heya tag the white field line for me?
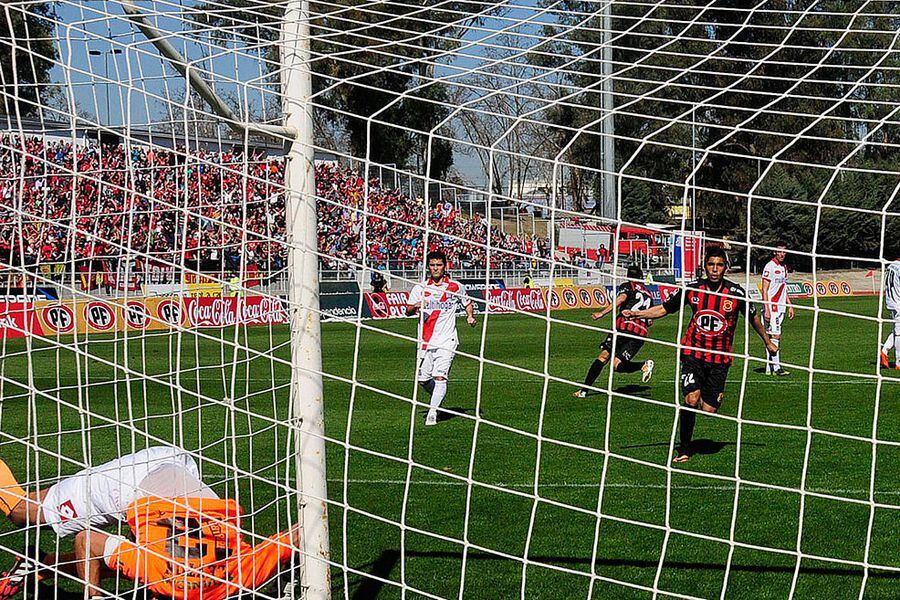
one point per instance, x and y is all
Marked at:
(649, 486)
(188, 375)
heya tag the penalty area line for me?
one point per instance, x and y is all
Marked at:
(745, 487)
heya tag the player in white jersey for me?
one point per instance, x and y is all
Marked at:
(95, 497)
(438, 300)
(891, 293)
(777, 304)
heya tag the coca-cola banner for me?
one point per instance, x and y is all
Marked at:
(51, 318)
(516, 300)
(228, 311)
(17, 319)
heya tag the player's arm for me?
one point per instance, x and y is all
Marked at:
(414, 301)
(620, 300)
(760, 329)
(657, 311)
(787, 300)
(89, 550)
(470, 314)
(765, 295)
(264, 561)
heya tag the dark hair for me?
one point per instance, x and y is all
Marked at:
(436, 255)
(634, 272)
(715, 251)
(780, 244)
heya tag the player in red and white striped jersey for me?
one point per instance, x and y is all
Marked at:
(438, 299)
(629, 336)
(776, 304)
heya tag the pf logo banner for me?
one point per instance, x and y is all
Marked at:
(169, 311)
(59, 318)
(136, 315)
(99, 316)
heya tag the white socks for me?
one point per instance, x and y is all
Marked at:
(437, 396)
(888, 343)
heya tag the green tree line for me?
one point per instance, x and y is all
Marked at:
(742, 87)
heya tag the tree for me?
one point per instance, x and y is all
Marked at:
(742, 94)
(500, 113)
(27, 54)
(373, 73)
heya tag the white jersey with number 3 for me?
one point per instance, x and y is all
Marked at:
(439, 303)
(777, 276)
(892, 286)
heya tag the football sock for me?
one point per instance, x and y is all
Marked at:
(440, 390)
(888, 344)
(686, 428)
(629, 366)
(11, 493)
(594, 372)
(428, 385)
(776, 356)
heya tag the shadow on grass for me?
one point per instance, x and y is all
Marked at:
(633, 388)
(389, 559)
(451, 412)
(699, 446)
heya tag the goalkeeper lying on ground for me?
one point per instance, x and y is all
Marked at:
(187, 541)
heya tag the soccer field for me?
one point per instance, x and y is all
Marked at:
(536, 457)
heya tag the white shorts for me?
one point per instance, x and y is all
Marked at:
(434, 362)
(773, 323)
(100, 496)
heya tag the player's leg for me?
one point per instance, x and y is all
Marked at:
(441, 364)
(596, 367)
(773, 328)
(624, 361)
(424, 364)
(896, 337)
(886, 350)
(692, 379)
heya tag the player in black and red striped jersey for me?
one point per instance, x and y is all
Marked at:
(706, 346)
(630, 332)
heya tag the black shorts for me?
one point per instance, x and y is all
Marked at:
(627, 346)
(708, 377)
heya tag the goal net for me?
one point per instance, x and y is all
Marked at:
(222, 224)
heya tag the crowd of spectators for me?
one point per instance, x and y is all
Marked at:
(95, 203)
(217, 212)
(396, 228)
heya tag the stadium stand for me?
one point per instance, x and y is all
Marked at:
(117, 199)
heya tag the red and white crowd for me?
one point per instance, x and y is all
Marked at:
(92, 204)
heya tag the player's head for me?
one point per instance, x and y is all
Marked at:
(715, 263)
(634, 272)
(437, 264)
(780, 251)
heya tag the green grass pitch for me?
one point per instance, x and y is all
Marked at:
(536, 456)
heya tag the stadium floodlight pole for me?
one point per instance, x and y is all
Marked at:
(181, 64)
(608, 206)
(303, 268)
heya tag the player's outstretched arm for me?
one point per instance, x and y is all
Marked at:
(654, 312)
(620, 300)
(89, 549)
(470, 314)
